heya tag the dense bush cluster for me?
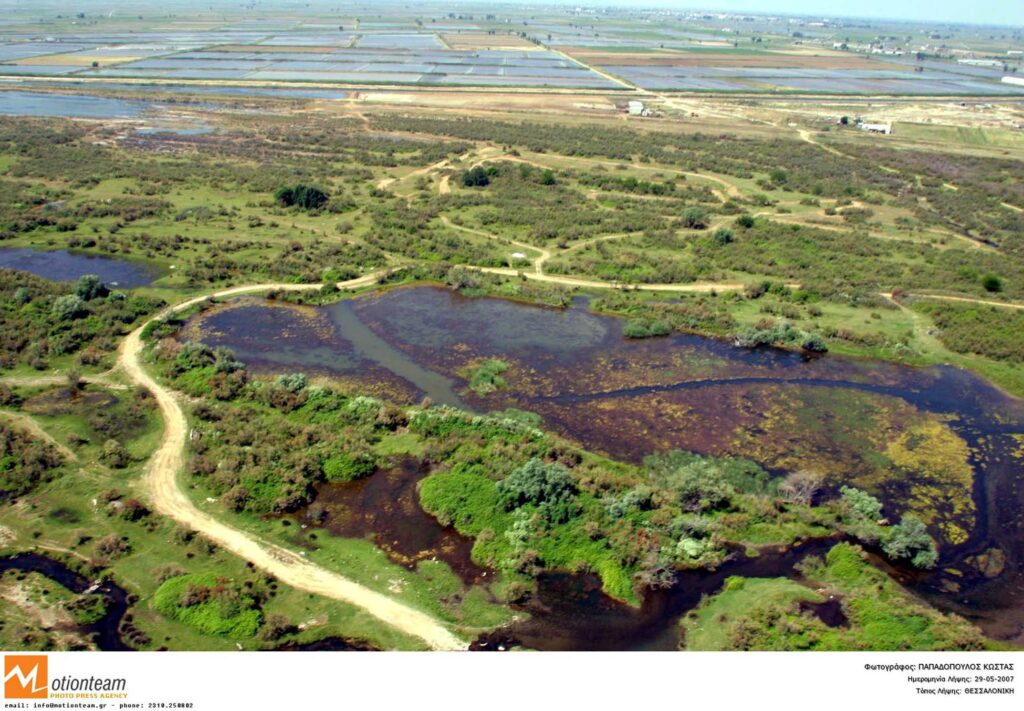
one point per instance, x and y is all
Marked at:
(988, 331)
(213, 605)
(40, 319)
(519, 202)
(304, 196)
(25, 462)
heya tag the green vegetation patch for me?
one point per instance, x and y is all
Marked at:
(25, 462)
(486, 377)
(990, 331)
(767, 614)
(41, 320)
(211, 604)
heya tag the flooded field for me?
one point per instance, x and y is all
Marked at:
(937, 441)
(61, 265)
(29, 103)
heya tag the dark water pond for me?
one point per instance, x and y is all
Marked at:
(61, 265)
(938, 439)
(571, 613)
(105, 631)
(327, 644)
(386, 505)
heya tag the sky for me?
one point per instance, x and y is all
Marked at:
(997, 12)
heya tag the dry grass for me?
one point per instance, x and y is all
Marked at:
(487, 101)
(482, 40)
(74, 60)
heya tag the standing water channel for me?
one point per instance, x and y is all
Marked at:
(847, 418)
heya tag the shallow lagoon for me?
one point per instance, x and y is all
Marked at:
(938, 441)
(27, 103)
(61, 265)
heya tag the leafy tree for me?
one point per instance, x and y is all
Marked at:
(304, 196)
(745, 221)
(992, 283)
(861, 503)
(723, 236)
(476, 177)
(90, 287)
(294, 383)
(813, 343)
(275, 626)
(910, 540)
(695, 218)
(114, 454)
(540, 484)
(547, 178)
(112, 546)
(696, 483)
(68, 307)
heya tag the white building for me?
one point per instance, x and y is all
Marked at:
(885, 128)
(981, 62)
(1016, 81)
(635, 108)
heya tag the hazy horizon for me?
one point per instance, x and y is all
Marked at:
(980, 12)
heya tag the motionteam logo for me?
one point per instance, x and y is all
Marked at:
(27, 676)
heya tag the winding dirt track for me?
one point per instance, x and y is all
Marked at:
(970, 300)
(290, 568)
(699, 287)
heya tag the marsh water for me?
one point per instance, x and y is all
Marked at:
(629, 398)
(387, 506)
(62, 265)
(107, 630)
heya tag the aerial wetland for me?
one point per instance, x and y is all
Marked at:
(937, 442)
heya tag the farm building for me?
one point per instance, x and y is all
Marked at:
(885, 128)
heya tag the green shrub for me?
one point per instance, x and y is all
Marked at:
(212, 605)
(910, 540)
(861, 503)
(304, 196)
(486, 377)
(992, 283)
(644, 328)
(476, 177)
(345, 467)
(723, 236)
(695, 218)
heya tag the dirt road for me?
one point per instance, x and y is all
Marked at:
(290, 568)
(702, 287)
(538, 264)
(969, 300)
